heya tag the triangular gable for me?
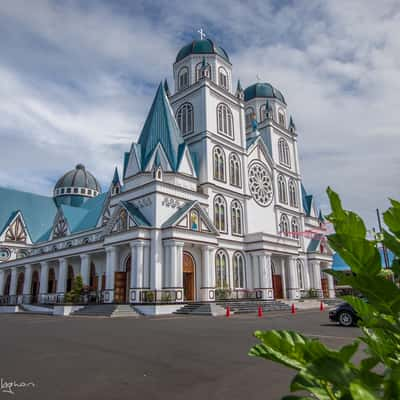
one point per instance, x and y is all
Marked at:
(16, 229)
(60, 227)
(106, 212)
(258, 144)
(183, 218)
(158, 158)
(318, 244)
(186, 164)
(132, 161)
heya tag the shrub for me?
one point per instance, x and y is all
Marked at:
(328, 374)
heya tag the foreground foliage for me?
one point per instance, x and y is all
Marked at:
(328, 374)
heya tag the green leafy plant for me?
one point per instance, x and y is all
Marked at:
(328, 374)
(74, 296)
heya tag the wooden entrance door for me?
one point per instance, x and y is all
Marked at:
(188, 276)
(120, 287)
(277, 285)
(324, 284)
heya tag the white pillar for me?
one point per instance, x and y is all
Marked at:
(331, 284)
(137, 272)
(248, 271)
(156, 260)
(293, 289)
(85, 269)
(207, 287)
(179, 265)
(316, 275)
(284, 277)
(1, 282)
(169, 262)
(146, 265)
(27, 283)
(13, 283)
(256, 271)
(44, 279)
(306, 274)
(111, 267)
(266, 276)
(62, 276)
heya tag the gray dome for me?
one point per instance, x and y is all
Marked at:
(78, 182)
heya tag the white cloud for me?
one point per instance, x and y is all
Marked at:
(76, 82)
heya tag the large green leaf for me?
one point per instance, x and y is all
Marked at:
(392, 243)
(360, 392)
(392, 217)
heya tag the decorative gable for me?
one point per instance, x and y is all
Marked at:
(186, 165)
(259, 151)
(16, 231)
(61, 228)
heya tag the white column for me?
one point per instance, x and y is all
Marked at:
(111, 267)
(44, 279)
(1, 282)
(266, 276)
(256, 271)
(85, 269)
(293, 289)
(62, 275)
(146, 265)
(331, 284)
(179, 265)
(27, 281)
(248, 270)
(316, 275)
(284, 277)
(173, 265)
(156, 260)
(137, 273)
(207, 287)
(169, 262)
(13, 283)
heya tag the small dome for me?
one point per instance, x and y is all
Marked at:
(76, 186)
(265, 90)
(205, 46)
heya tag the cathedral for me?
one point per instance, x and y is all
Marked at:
(210, 205)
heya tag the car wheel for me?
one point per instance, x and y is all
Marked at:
(346, 319)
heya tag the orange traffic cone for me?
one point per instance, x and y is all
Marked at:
(321, 306)
(260, 311)
(228, 311)
(293, 309)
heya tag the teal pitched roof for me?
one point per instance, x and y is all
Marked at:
(37, 211)
(307, 201)
(138, 218)
(205, 46)
(116, 180)
(160, 128)
(264, 89)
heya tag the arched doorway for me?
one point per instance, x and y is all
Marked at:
(7, 285)
(276, 283)
(51, 283)
(20, 283)
(70, 278)
(122, 283)
(35, 287)
(188, 276)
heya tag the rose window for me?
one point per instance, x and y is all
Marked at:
(260, 184)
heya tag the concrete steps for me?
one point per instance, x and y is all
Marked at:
(207, 309)
(246, 307)
(106, 310)
(35, 309)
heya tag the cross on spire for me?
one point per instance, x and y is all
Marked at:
(201, 33)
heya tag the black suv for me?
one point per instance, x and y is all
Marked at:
(344, 314)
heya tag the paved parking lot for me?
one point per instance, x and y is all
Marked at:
(174, 357)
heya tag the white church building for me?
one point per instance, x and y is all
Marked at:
(210, 206)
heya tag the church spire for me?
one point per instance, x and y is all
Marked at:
(115, 183)
(239, 91)
(292, 126)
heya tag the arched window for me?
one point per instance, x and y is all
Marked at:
(295, 227)
(223, 78)
(183, 78)
(237, 218)
(300, 273)
(282, 189)
(249, 116)
(219, 164)
(221, 270)
(284, 225)
(238, 271)
(184, 117)
(284, 153)
(234, 170)
(292, 193)
(281, 118)
(263, 110)
(220, 213)
(20, 283)
(225, 120)
(203, 71)
(51, 282)
(123, 220)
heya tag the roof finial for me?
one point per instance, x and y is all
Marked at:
(258, 78)
(201, 33)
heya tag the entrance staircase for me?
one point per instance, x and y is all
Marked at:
(106, 310)
(34, 309)
(199, 308)
(251, 306)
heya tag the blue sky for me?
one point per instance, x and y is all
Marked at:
(77, 79)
